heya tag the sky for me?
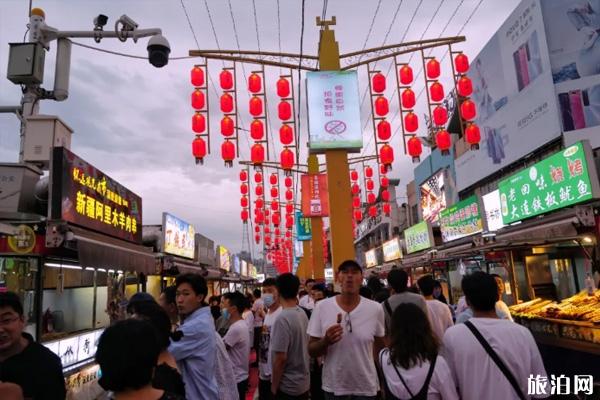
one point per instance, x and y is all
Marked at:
(133, 121)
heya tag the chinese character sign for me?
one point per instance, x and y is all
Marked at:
(178, 236)
(303, 227)
(418, 237)
(85, 196)
(460, 220)
(558, 181)
(315, 196)
(370, 258)
(391, 250)
(333, 111)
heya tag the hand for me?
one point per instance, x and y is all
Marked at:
(333, 334)
(10, 391)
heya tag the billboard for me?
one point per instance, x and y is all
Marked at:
(391, 250)
(418, 237)
(178, 236)
(491, 205)
(224, 258)
(370, 258)
(514, 94)
(303, 227)
(461, 220)
(315, 196)
(333, 111)
(244, 268)
(433, 197)
(237, 267)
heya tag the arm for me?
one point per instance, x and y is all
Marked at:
(378, 345)
(278, 365)
(317, 347)
(194, 338)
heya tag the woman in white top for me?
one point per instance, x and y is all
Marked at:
(411, 366)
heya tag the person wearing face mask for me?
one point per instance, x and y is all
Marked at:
(269, 314)
(237, 339)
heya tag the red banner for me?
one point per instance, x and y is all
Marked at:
(315, 196)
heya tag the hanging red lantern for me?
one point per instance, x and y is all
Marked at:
(408, 99)
(274, 206)
(258, 190)
(382, 107)
(244, 189)
(415, 148)
(277, 231)
(289, 221)
(258, 177)
(385, 182)
(288, 234)
(254, 83)
(387, 208)
(461, 63)
(256, 228)
(468, 110)
(411, 122)
(378, 82)
(286, 134)
(259, 203)
(228, 152)
(373, 211)
(244, 215)
(199, 149)
(198, 99)
(257, 238)
(268, 240)
(358, 215)
(284, 110)
(287, 159)
(274, 192)
(257, 154)
(257, 129)
(289, 208)
(243, 175)
(267, 212)
(288, 181)
(406, 75)
(368, 172)
(197, 76)
(283, 87)
(198, 123)
(443, 141)
(440, 116)
(356, 202)
(226, 80)
(433, 69)
(226, 103)
(436, 92)
(473, 136)
(384, 130)
(383, 169)
(370, 184)
(353, 175)
(244, 201)
(255, 106)
(276, 222)
(371, 198)
(226, 126)
(289, 195)
(386, 155)
(273, 179)
(355, 188)
(465, 86)
(385, 195)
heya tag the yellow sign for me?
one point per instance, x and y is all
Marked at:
(24, 241)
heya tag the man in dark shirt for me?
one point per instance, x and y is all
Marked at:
(24, 362)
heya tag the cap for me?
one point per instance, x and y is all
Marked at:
(349, 264)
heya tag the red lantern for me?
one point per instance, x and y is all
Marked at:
(259, 203)
(384, 130)
(257, 154)
(415, 148)
(355, 189)
(378, 82)
(244, 189)
(274, 207)
(289, 195)
(411, 122)
(228, 152)
(277, 231)
(244, 201)
(465, 86)
(440, 115)
(274, 192)
(368, 172)
(473, 136)
(226, 80)
(199, 149)
(283, 87)
(373, 211)
(226, 103)
(370, 184)
(443, 141)
(385, 195)
(436, 92)
(276, 222)
(288, 234)
(371, 198)
(286, 134)
(254, 83)
(243, 175)
(406, 75)
(287, 159)
(356, 202)
(198, 99)
(284, 110)
(198, 123)
(256, 106)
(289, 221)
(258, 177)
(468, 110)
(197, 76)
(461, 63)
(408, 99)
(268, 240)
(257, 238)
(382, 107)
(358, 215)
(289, 208)
(273, 179)
(353, 175)
(259, 190)
(288, 181)
(433, 69)
(385, 182)
(257, 129)
(244, 215)
(383, 169)
(387, 208)
(226, 126)
(386, 155)
(267, 212)
(257, 228)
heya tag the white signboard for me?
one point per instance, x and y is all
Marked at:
(391, 250)
(514, 95)
(370, 258)
(75, 349)
(493, 215)
(328, 275)
(333, 111)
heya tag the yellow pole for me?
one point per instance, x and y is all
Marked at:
(316, 265)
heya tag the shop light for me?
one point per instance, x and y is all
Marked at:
(64, 266)
(119, 272)
(89, 268)
(101, 270)
(110, 271)
(587, 239)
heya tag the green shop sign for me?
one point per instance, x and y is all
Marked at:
(460, 220)
(418, 237)
(558, 181)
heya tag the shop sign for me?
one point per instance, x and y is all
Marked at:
(418, 237)
(85, 196)
(461, 220)
(315, 196)
(224, 258)
(303, 227)
(179, 236)
(391, 250)
(260, 278)
(244, 268)
(333, 111)
(24, 241)
(370, 258)
(298, 249)
(561, 180)
(75, 349)
(236, 264)
(79, 381)
(328, 275)
(433, 197)
(493, 216)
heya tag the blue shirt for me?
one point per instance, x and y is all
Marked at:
(195, 355)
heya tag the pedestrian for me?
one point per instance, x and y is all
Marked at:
(319, 292)
(411, 366)
(306, 301)
(167, 300)
(237, 339)
(439, 313)
(248, 317)
(24, 362)
(258, 321)
(215, 307)
(290, 379)
(438, 292)
(398, 280)
(269, 314)
(380, 293)
(491, 358)
(346, 329)
(366, 292)
(195, 350)
(127, 354)
(501, 307)
(224, 374)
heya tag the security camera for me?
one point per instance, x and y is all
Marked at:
(100, 21)
(158, 51)
(128, 23)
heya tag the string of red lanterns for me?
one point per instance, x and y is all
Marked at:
(228, 106)
(409, 120)
(437, 111)
(199, 119)
(244, 200)
(258, 111)
(467, 108)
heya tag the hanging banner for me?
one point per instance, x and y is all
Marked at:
(461, 220)
(391, 250)
(561, 180)
(303, 227)
(418, 237)
(315, 196)
(179, 236)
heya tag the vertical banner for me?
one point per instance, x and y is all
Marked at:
(315, 196)
(303, 227)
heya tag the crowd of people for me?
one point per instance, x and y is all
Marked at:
(363, 342)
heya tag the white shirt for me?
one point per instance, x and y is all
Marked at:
(440, 317)
(264, 353)
(307, 302)
(249, 318)
(441, 385)
(237, 341)
(502, 310)
(258, 305)
(224, 372)
(474, 371)
(349, 368)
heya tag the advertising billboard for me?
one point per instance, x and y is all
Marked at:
(514, 94)
(315, 196)
(370, 258)
(418, 237)
(461, 220)
(333, 111)
(433, 197)
(244, 268)
(391, 250)
(178, 236)
(303, 227)
(224, 258)
(237, 267)
(493, 216)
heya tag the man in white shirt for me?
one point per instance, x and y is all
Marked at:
(270, 299)
(258, 320)
(306, 301)
(475, 372)
(501, 307)
(348, 331)
(237, 339)
(440, 316)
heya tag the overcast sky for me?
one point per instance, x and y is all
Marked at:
(132, 120)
